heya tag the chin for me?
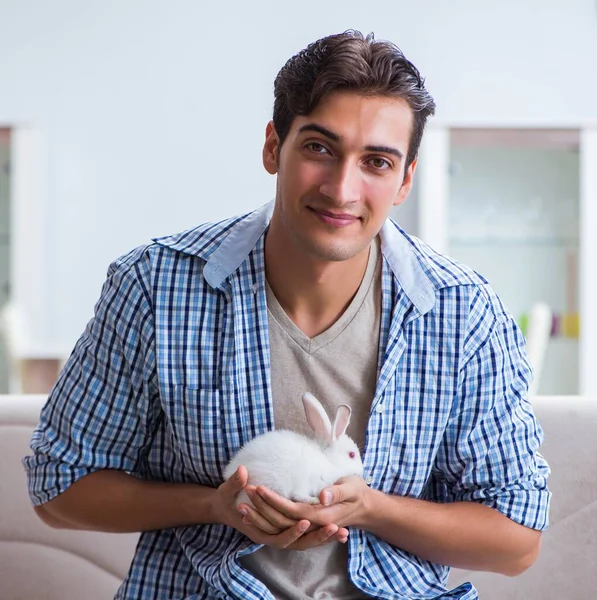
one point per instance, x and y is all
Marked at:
(333, 253)
(330, 250)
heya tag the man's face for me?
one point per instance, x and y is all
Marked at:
(340, 171)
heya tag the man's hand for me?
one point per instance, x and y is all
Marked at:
(294, 534)
(343, 504)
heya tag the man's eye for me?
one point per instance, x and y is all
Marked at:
(317, 148)
(380, 163)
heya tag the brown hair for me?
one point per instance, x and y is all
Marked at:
(350, 61)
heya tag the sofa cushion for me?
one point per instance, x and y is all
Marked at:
(37, 561)
(566, 565)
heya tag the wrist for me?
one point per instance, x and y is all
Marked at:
(212, 507)
(370, 505)
(198, 504)
(381, 510)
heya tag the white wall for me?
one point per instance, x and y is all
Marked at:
(151, 113)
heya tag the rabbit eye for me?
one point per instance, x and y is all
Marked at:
(351, 454)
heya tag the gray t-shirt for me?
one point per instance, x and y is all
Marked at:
(339, 366)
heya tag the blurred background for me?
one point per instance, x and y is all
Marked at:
(123, 121)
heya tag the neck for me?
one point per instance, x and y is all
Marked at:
(314, 293)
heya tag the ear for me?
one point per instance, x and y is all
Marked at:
(271, 149)
(407, 183)
(341, 421)
(317, 417)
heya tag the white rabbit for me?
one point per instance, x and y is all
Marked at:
(298, 467)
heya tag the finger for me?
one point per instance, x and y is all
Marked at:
(288, 537)
(345, 489)
(312, 527)
(288, 508)
(236, 482)
(326, 497)
(252, 517)
(321, 536)
(334, 494)
(274, 516)
(265, 499)
(341, 535)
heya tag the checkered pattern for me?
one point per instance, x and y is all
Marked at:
(172, 376)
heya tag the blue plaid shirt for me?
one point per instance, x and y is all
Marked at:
(172, 376)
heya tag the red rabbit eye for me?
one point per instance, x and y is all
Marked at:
(351, 454)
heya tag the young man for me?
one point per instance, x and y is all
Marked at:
(203, 340)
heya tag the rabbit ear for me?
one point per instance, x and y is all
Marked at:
(341, 421)
(317, 417)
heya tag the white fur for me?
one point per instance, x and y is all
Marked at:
(296, 466)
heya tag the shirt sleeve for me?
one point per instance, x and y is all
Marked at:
(101, 411)
(490, 450)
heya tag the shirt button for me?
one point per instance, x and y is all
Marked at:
(379, 408)
(369, 480)
(361, 548)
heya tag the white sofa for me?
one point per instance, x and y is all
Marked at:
(567, 565)
(37, 562)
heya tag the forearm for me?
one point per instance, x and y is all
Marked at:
(467, 535)
(114, 501)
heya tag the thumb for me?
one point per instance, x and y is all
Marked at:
(331, 495)
(238, 480)
(344, 490)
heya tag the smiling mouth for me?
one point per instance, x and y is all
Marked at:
(336, 219)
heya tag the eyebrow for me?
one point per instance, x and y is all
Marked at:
(320, 129)
(336, 138)
(386, 149)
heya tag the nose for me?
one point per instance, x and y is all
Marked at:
(343, 184)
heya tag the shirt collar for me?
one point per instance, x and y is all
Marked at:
(237, 245)
(396, 247)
